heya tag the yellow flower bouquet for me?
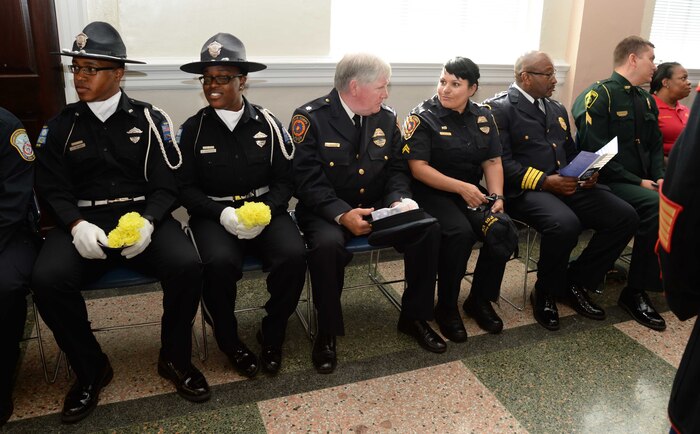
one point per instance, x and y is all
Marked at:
(254, 214)
(127, 231)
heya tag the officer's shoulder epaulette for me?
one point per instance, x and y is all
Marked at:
(424, 106)
(140, 103)
(500, 95)
(389, 109)
(316, 104)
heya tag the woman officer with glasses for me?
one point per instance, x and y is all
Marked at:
(236, 152)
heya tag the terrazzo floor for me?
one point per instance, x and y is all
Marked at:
(590, 376)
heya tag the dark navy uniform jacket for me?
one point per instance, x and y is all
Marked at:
(534, 144)
(454, 144)
(81, 158)
(335, 170)
(219, 162)
(16, 176)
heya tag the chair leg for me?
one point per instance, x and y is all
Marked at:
(530, 241)
(48, 377)
(373, 274)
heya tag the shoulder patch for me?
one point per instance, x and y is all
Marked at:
(300, 126)
(410, 125)
(165, 127)
(590, 98)
(20, 140)
(42, 136)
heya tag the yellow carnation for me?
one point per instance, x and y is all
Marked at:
(127, 231)
(254, 214)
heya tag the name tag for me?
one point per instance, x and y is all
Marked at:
(76, 145)
(445, 133)
(331, 145)
(622, 113)
(207, 151)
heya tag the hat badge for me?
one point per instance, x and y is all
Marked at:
(81, 40)
(214, 49)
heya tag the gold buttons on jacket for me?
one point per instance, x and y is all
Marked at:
(386, 157)
(554, 145)
(357, 156)
(361, 171)
(331, 164)
(558, 163)
(362, 191)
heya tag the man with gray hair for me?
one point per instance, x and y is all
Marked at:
(347, 165)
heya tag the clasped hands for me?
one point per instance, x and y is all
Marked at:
(229, 220)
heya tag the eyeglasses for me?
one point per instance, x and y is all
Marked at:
(89, 70)
(546, 74)
(220, 79)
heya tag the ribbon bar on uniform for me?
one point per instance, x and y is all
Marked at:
(87, 203)
(255, 193)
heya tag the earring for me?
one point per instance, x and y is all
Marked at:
(243, 87)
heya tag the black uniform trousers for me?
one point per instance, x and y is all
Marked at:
(644, 268)
(60, 273)
(458, 239)
(282, 251)
(327, 258)
(16, 262)
(560, 220)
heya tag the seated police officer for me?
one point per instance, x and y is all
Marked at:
(236, 152)
(347, 164)
(98, 159)
(536, 137)
(17, 247)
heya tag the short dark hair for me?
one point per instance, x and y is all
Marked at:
(663, 71)
(629, 45)
(464, 68)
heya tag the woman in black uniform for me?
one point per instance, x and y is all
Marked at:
(450, 143)
(236, 152)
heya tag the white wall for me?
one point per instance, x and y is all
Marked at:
(292, 38)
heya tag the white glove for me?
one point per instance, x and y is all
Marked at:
(143, 242)
(405, 204)
(245, 233)
(229, 220)
(85, 239)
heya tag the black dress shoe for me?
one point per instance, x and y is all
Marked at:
(6, 410)
(424, 335)
(545, 310)
(271, 355)
(638, 305)
(577, 297)
(81, 400)
(323, 354)
(244, 360)
(451, 325)
(190, 383)
(482, 311)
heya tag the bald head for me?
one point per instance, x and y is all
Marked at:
(529, 62)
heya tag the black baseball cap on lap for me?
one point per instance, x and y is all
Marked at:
(223, 49)
(99, 40)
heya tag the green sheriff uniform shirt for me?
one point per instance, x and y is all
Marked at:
(607, 109)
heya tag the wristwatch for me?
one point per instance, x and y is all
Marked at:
(498, 197)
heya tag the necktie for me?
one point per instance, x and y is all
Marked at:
(357, 119)
(539, 103)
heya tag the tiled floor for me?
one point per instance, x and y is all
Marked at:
(590, 376)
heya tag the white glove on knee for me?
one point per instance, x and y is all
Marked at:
(85, 239)
(143, 242)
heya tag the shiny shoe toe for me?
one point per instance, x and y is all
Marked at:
(577, 297)
(244, 360)
(483, 313)
(451, 325)
(545, 310)
(189, 383)
(423, 333)
(638, 305)
(270, 356)
(323, 354)
(81, 400)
